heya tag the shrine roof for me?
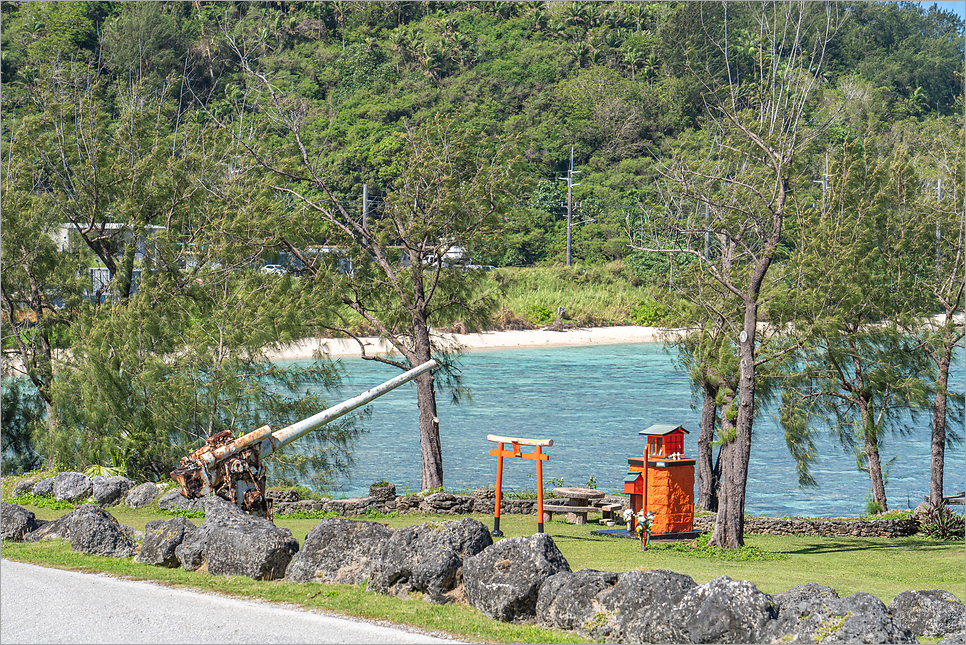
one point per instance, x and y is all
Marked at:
(662, 430)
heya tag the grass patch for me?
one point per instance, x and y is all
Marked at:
(184, 512)
(881, 566)
(698, 548)
(37, 501)
(592, 295)
(309, 515)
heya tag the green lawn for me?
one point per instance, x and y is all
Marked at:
(880, 566)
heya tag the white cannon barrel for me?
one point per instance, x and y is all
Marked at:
(287, 435)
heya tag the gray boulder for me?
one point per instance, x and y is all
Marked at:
(173, 500)
(108, 491)
(802, 598)
(504, 581)
(16, 522)
(631, 607)
(191, 551)
(921, 511)
(58, 529)
(24, 486)
(339, 551)
(929, 613)
(72, 486)
(94, 530)
(231, 542)
(44, 488)
(954, 639)
(569, 601)
(643, 606)
(429, 559)
(161, 538)
(814, 613)
(726, 611)
(384, 493)
(141, 496)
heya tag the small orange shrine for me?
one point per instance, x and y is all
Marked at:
(662, 481)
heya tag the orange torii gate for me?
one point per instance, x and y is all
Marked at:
(537, 455)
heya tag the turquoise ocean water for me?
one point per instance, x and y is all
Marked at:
(592, 401)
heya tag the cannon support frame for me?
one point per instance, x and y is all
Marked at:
(234, 469)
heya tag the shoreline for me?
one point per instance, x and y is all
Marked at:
(341, 347)
(307, 348)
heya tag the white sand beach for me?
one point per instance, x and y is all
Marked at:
(305, 349)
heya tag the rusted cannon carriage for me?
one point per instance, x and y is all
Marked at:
(234, 469)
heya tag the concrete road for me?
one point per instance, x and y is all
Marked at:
(41, 605)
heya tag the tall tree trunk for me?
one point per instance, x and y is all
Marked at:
(741, 454)
(726, 533)
(707, 482)
(871, 441)
(731, 533)
(937, 458)
(431, 449)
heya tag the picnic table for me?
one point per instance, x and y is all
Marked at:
(577, 506)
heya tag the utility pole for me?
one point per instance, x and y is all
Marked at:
(365, 204)
(824, 182)
(570, 203)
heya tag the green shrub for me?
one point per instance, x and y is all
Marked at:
(311, 515)
(29, 499)
(373, 514)
(541, 315)
(942, 523)
(184, 512)
(649, 313)
(872, 507)
(699, 548)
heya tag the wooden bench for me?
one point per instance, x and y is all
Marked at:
(579, 503)
(607, 511)
(575, 514)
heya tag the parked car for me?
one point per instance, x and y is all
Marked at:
(276, 269)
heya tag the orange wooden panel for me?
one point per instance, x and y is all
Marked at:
(540, 456)
(670, 495)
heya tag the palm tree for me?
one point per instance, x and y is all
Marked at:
(399, 44)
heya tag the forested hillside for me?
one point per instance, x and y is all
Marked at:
(606, 78)
(776, 177)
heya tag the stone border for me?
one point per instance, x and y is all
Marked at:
(384, 500)
(820, 527)
(483, 499)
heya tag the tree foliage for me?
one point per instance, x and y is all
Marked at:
(705, 125)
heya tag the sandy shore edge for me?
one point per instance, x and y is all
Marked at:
(306, 349)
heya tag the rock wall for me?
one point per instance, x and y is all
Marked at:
(819, 527)
(483, 500)
(383, 499)
(442, 503)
